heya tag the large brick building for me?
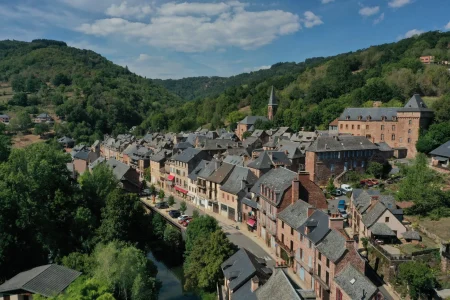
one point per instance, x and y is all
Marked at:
(398, 127)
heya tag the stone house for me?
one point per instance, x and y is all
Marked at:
(375, 216)
(157, 168)
(332, 156)
(204, 191)
(246, 124)
(137, 157)
(398, 127)
(440, 156)
(127, 177)
(4, 119)
(268, 160)
(351, 284)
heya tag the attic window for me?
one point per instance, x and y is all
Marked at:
(347, 118)
(383, 118)
(359, 117)
(353, 281)
(422, 104)
(394, 118)
(369, 118)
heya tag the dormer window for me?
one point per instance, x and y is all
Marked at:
(394, 118)
(347, 118)
(359, 117)
(369, 118)
(383, 118)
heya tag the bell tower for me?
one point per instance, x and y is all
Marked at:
(272, 106)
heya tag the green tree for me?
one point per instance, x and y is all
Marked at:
(18, 84)
(199, 227)
(152, 189)
(22, 122)
(183, 207)
(375, 169)
(202, 266)
(123, 218)
(171, 201)
(158, 226)
(246, 135)
(195, 214)
(172, 236)
(330, 185)
(19, 99)
(419, 278)
(161, 195)
(147, 174)
(442, 109)
(61, 79)
(5, 147)
(41, 128)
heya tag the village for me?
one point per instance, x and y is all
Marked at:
(290, 193)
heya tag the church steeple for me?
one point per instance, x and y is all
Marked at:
(272, 106)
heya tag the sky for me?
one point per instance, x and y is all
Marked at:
(176, 39)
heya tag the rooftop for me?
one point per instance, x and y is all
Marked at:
(355, 284)
(295, 214)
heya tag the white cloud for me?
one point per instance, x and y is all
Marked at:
(326, 1)
(198, 27)
(369, 11)
(124, 10)
(399, 3)
(447, 27)
(310, 19)
(379, 19)
(411, 33)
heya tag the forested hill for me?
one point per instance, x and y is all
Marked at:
(95, 95)
(200, 87)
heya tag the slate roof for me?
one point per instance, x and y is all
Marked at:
(83, 154)
(333, 245)
(44, 116)
(194, 174)
(245, 292)
(381, 229)
(221, 174)
(239, 179)
(292, 149)
(375, 113)
(187, 155)
(96, 162)
(415, 104)
(373, 214)
(318, 223)
(250, 202)
(250, 120)
(361, 289)
(295, 214)
(263, 162)
(384, 146)
(218, 144)
(258, 133)
(411, 235)
(272, 98)
(183, 145)
(278, 287)
(242, 265)
(48, 280)
(209, 168)
(279, 180)
(234, 160)
(280, 158)
(65, 140)
(443, 150)
(158, 157)
(119, 169)
(342, 143)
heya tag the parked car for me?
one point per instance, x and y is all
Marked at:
(182, 218)
(162, 205)
(366, 182)
(174, 213)
(186, 222)
(145, 192)
(346, 188)
(343, 213)
(337, 192)
(341, 204)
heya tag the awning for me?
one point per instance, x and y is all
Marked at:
(181, 190)
(251, 222)
(171, 177)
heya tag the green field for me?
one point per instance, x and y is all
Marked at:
(5, 93)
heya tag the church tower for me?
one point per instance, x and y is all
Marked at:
(272, 106)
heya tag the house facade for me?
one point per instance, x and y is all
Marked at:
(398, 127)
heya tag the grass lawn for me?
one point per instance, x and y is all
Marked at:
(5, 93)
(410, 248)
(441, 228)
(430, 100)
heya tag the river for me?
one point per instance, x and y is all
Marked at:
(171, 278)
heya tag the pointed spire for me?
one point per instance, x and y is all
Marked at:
(272, 99)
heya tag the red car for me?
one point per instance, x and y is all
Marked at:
(369, 182)
(186, 222)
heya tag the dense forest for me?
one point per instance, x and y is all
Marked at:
(94, 96)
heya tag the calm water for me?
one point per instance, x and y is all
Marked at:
(171, 278)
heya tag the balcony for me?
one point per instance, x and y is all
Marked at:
(321, 282)
(285, 248)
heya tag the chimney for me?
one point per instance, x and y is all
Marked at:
(303, 175)
(335, 223)
(311, 210)
(295, 190)
(254, 283)
(350, 245)
(374, 200)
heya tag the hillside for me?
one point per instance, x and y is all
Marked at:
(94, 96)
(91, 93)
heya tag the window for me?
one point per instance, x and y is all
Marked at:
(367, 126)
(282, 238)
(382, 137)
(409, 131)
(292, 245)
(346, 126)
(301, 237)
(319, 270)
(382, 127)
(282, 224)
(393, 127)
(223, 207)
(409, 140)
(386, 219)
(393, 137)
(327, 278)
(363, 164)
(338, 294)
(309, 244)
(400, 140)
(328, 263)
(353, 126)
(410, 122)
(359, 127)
(319, 256)
(228, 197)
(292, 231)
(342, 126)
(332, 167)
(301, 254)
